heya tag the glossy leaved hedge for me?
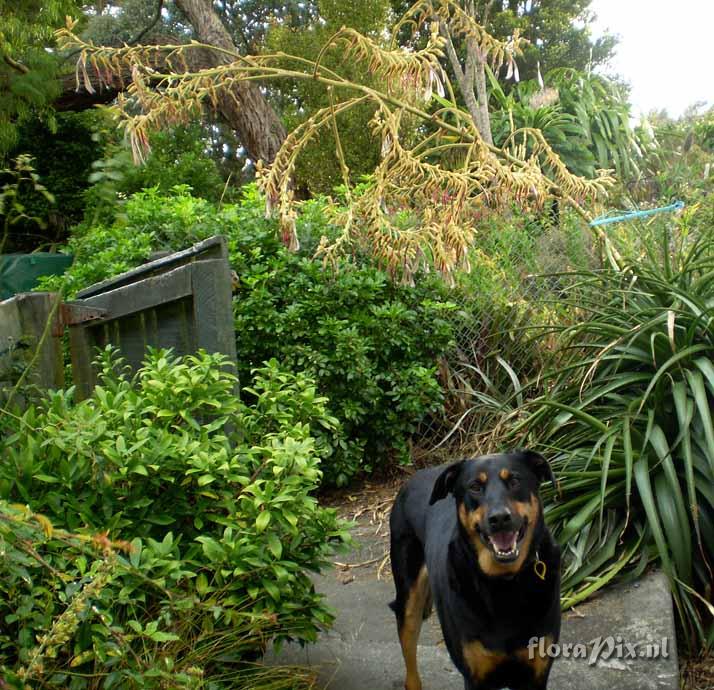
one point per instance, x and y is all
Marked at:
(214, 500)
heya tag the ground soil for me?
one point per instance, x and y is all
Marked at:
(697, 673)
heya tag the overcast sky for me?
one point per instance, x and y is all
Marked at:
(666, 50)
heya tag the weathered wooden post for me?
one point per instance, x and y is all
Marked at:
(23, 322)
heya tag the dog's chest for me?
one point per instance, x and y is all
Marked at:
(489, 640)
(501, 622)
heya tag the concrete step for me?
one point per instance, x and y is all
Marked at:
(361, 651)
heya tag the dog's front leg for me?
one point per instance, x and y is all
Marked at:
(470, 685)
(409, 639)
(409, 621)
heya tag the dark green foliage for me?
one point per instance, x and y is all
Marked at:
(62, 157)
(178, 157)
(559, 34)
(89, 172)
(602, 112)
(318, 169)
(28, 71)
(36, 559)
(19, 182)
(370, 345)
(247, 21)
(214, 496)
(250, 20)
(127, 19)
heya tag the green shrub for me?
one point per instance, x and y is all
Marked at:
(36, 579)
(178, 158)
(150, 222)
(627, 417)
(370, 345)
(214, 497)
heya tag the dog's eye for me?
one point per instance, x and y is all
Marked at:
(476, 488)
(513, 482)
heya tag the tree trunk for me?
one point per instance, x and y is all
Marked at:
(478, 64)
(258, 127)
(484, 121)
(471, 76)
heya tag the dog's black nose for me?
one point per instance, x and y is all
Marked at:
(500, 521)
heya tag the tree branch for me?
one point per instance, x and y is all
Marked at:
(486, 12)
(17, 66)
(148, 28)
(451, 52)
(76, 98)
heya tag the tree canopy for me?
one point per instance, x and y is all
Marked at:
(557, 31)
(247, 116)
(28, 72)
(318, 170)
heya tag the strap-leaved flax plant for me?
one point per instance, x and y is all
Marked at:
(438, 171)
(627, 417)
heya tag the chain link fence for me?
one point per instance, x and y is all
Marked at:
(508, 309)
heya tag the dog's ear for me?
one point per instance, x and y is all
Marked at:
(445, 482)
(541, 467)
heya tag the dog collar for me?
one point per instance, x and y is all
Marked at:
(539, 567)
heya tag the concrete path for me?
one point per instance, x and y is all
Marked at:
(361, 651)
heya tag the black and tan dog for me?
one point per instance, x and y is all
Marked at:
(471, 538)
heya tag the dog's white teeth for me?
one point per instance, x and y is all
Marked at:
(504, 544)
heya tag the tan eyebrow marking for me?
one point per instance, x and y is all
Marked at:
(504, 474)
(483, 477)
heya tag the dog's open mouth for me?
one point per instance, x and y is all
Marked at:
(506, 545)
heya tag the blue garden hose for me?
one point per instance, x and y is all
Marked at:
(607, 219)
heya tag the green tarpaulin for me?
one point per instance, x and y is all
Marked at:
(21, 272)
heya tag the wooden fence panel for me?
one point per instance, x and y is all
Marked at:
(182, 301)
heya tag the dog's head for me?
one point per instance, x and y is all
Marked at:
(498, 504)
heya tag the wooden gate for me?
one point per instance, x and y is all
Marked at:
(180, 301)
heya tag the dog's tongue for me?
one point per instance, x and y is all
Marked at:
(504, 541)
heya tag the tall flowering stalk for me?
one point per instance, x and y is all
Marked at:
(422, 204)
